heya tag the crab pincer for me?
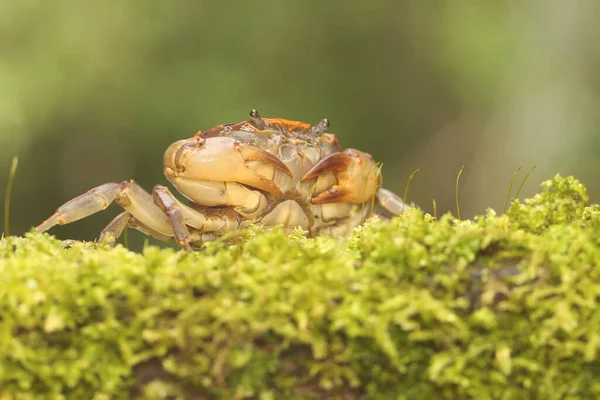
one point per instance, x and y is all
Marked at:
(357, 175)
(222, 159)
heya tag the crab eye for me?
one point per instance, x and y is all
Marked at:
(321, 127)
(257, 120)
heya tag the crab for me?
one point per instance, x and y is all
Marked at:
(268, 171)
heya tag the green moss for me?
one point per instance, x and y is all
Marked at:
(500, 307)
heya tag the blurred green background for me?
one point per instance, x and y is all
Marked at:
(95, 92)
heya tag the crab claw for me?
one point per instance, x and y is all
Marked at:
(222, 159)
(357, 175)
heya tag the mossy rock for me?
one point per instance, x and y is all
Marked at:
(499, 307)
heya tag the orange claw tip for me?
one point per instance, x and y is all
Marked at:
(335, 162)
(251, 153)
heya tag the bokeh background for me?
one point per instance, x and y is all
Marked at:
(95, 92)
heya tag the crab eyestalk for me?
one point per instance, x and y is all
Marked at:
(321, 127)
(357, 175)
(257, 120)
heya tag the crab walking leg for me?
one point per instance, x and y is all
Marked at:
(182, 216)
(391, 201)
(115, 227)
(165, 200)
(94, 200)
(118, 224)
(134, 223)
(127, 194)
(141, 206)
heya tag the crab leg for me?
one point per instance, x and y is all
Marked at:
(165, 200)
(116, 227)
(182, 216)
(118, 224)
(391, 201)
(127, 194)
(159, 214)
(140, 204)
(94, 200)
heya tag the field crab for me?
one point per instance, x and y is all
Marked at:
(269, 171)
